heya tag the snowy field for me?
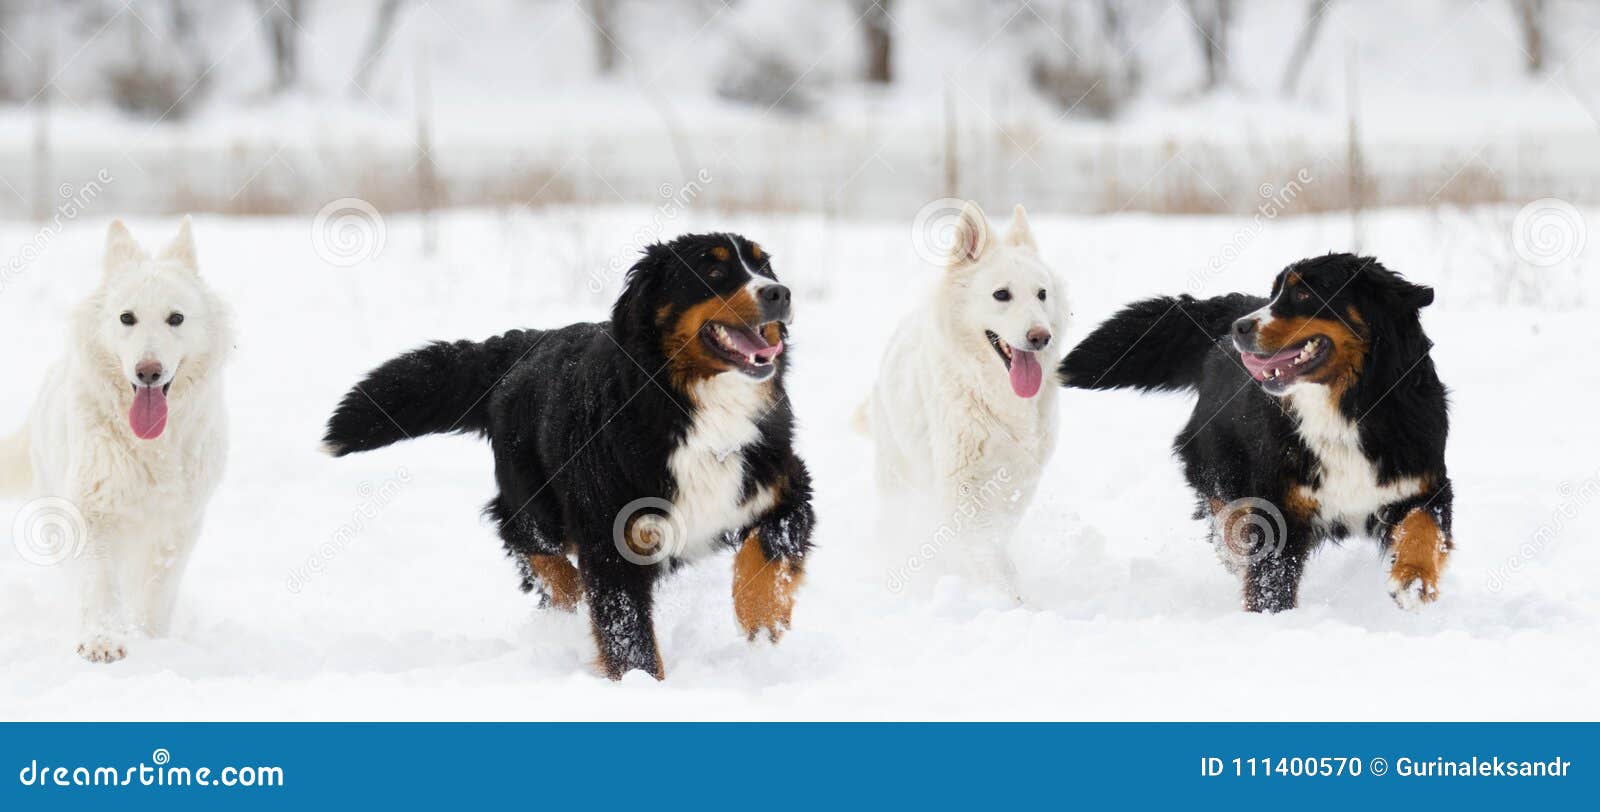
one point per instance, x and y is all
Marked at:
(368, 587)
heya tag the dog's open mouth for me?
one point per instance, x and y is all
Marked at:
(148, 414)
(742, 347)
(1026, 374)
(1277, 371)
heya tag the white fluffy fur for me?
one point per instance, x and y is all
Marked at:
(1349, 491)
(946, 426)
(708, 466)
(142, 500)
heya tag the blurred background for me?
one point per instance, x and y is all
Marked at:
(838, 107)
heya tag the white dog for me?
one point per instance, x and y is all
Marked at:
(129, 429)
(963, 413)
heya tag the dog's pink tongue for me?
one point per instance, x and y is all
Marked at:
(1259, 364)
(148, 416)
(1025, 373)
(751, 342)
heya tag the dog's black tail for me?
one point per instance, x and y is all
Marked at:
(438, 389)
(1155, 344)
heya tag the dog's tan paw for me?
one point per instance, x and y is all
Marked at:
(1419, 550)
(763, 592)
(1413, 587)
(102, 649)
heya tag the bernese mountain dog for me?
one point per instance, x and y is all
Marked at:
(630, 445)
(1320, 416)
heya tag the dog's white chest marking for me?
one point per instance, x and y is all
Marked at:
(708, 468)
(1349, 491)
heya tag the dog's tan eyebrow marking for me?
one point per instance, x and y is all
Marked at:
(720, 253)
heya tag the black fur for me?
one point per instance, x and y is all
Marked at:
(582, 421)
(1241, 442)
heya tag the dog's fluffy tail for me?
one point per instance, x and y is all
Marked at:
(16, 467)
(441, 388)
(1155, 344)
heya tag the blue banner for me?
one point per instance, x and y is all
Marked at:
(765, 766)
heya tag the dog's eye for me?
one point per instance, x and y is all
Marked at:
(1002, 295)
(175, 319)
(1302, 295)
(1041, 295)
(716, 273)
(128, 319)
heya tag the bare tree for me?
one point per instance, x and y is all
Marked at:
(1316, 12)
(186, 36)
(1114, 21)
(1212, 20)
(875, 23)
(282, 19)
(1085, 60)
(605, 35)
(163, 70)
(377, 42)
(1531, 20)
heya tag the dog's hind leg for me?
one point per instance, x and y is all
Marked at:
(541, 557)
(558, 583)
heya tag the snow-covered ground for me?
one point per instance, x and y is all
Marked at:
(368, 587)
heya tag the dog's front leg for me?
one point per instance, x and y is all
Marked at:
(100, 639)
(771, 562)
(619, 613)
(1273, 567)
(163, 573)
(1419, 544)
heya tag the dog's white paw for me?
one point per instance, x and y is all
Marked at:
(1412, 593)
(101, 649)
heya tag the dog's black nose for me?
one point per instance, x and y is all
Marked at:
(148, 372)
(1038, 338)
(774, 301)
(1244, 326)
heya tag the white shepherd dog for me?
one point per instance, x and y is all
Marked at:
(129, 431)
(963, 413)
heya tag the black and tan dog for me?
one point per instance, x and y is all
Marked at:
(634, 444)
(1319, 416)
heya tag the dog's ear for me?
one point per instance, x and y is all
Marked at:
(971, 237)
(1020, 234)
(121, 247)
(1408, 294)
(181, 249)
(631, 313)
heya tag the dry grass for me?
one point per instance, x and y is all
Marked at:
(823, 169)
